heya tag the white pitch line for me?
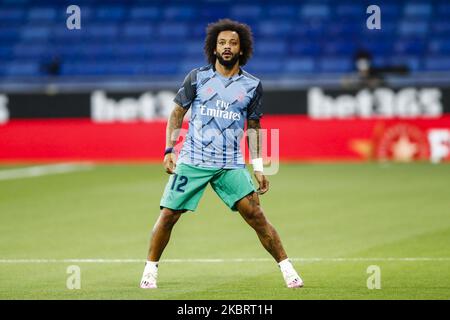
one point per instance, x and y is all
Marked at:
(111, 261)
(38, 171)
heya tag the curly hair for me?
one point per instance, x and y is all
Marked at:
(245, 38)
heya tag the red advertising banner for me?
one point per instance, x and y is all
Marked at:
(300, 138)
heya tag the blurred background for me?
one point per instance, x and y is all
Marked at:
(86, 87)
(328, 77)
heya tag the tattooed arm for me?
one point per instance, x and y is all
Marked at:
(172, 132)
(253, 138)
(254, 145)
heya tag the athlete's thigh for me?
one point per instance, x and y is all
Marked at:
(232, 185)
(185, 188)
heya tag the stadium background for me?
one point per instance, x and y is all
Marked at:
(127, 60)
(102, 94)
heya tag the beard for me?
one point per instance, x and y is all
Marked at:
(227, 63)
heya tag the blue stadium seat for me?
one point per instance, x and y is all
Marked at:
(441, 26)
(6, 53)
(194, 48)
(443, 9)
(84, 68)
(170, 48)
(133, 49)
(423, 9)
(147, 13)
(68, 52)
(30, 50)
(388, 29)
(15, 2)
(314, 29)
(198, 30)
(345, 30)
(109, 30)
(88, 13)
(351, 10)
(166, 37)
(275, 28)
(97, 51)
(21, 68)
(214, 11)
(315, 11)
(125, 68)
(336, 64)
(9, 34)
(36, 33)
(413, 62)
(187, 65)
(68, 36)
(11, 15)
(377, 48)
(43, 14)
(437, 63)
(246, 12)
(300, 65)
(69, 68)
(172, 30)
(162, 67)
(264, 66)
(284, 11)
(300, 48)
(380, 61)
(413, 28)
(439, 46)
(110, 68)
(410, 46)
(179, 13)
(271, 46)
(138, 30)
(339, 48)
(390, 10)
(110, 13)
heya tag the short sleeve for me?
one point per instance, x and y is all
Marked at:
(254, 109)
(186, 94)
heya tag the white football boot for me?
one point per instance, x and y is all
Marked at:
(291, 277)
(149, 278)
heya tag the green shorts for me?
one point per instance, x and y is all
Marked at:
(185, 188)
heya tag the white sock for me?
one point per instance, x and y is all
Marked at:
(151, 266)
(286, 265)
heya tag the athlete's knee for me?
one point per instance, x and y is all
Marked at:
(256, 216)
(169, 217)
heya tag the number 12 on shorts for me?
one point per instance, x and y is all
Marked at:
(183, 180)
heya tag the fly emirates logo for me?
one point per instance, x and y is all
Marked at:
(221, 111)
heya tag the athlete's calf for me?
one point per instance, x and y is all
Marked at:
(161, 232)
(251, 211)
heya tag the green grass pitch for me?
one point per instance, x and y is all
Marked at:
(363, 214)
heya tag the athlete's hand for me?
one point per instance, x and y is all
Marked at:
(169, 163)
(262, 181)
